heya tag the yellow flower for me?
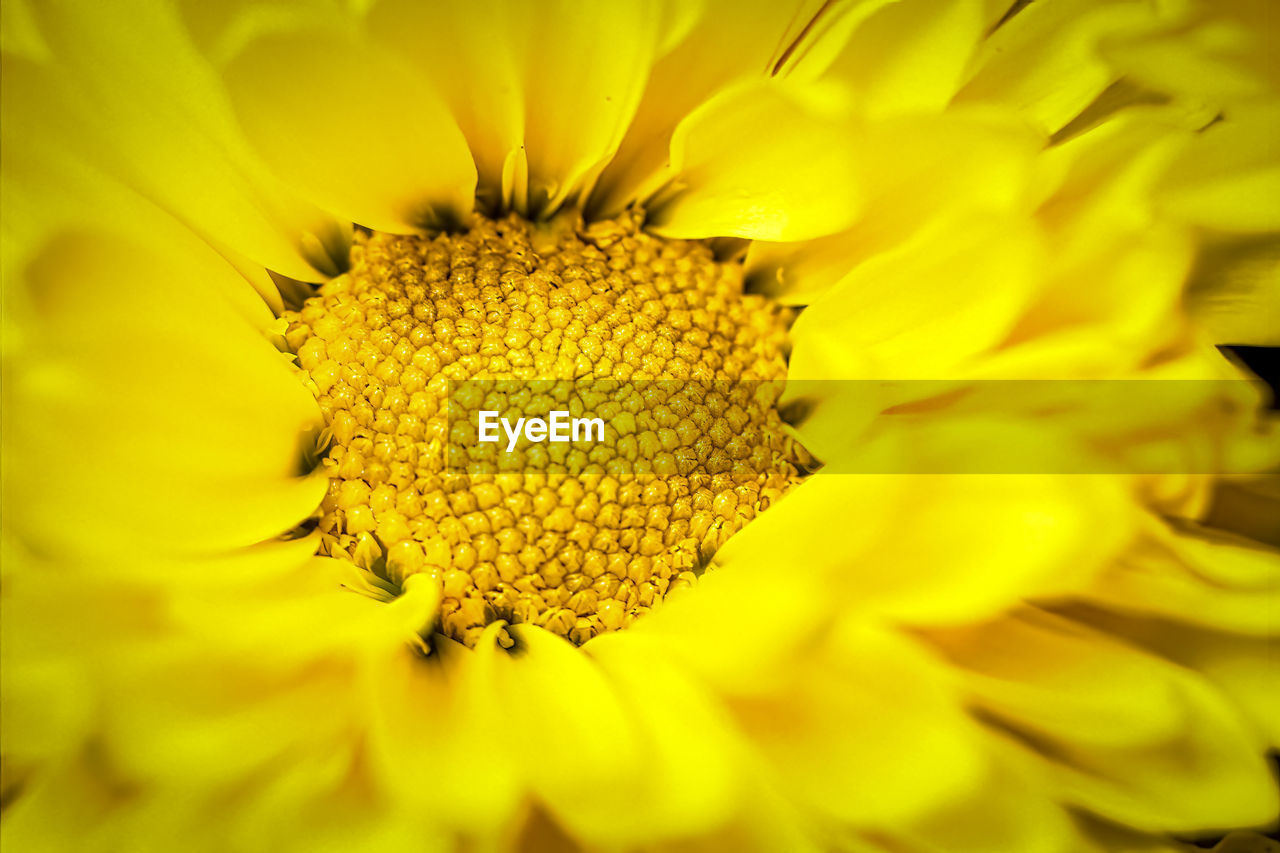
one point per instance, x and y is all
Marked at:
(248, 605)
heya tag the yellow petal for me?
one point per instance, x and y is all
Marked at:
(690, 780)
(1229, 176)
(297, 618)
(910, 56)
(1101, 227)
(127, 91)
(1248, 508)
(220, 31)
(767, 161)
(740, 628)
(1240, 666)
(1246, 842)
(909, 313)
(1219, 52)
(65, 811)
(434, 713)
(573, 737)
(917, 170)
(391, 158)
(850, 728)
(221, 727)
(50, 189)
(47, 714)
(1235, 291)
(150, 413)
(960, 547)
(321, 800)
(1004, 811)
(20, 32)
(1126, 735)
(726, 42)
(1045, 61)
(1214, 583)
(558, 82)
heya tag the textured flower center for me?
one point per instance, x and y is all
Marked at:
(575, 545)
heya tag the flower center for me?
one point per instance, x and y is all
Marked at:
(576, 549)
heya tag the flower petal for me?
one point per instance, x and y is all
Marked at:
(1046, 62)
(917, 170)
(1234, 292)
(850, 728)
(572, 736)
(961, 547)
(436, 713)
(766, 161)
(151, 413)
(910, 56)
(909, 312)
(1004, 811)
(1216, 51)
(127, 91)
(690, 781)
(558, 82)
(1228, 178)
(1129, 737)
(1218, 583)
(726, 42)
(391, 159)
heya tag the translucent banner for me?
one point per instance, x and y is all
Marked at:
(747, 428)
